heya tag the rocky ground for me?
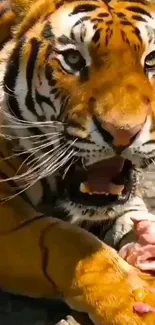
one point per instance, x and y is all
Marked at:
(148, 185)
(21, 311)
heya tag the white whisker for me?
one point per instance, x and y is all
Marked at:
(23, 175)
(12, 137)
(74, 160)
(63, 162)
(43, 156)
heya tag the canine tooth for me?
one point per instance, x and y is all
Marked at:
(84, 188)
(99, 193)
(116, 189)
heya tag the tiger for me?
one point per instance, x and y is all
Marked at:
(77, 112)
(78, 101)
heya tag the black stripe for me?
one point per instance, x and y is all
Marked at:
(47, 32)
(40, 99)
(49, 75)
(59, 4)
(10, 79)
(97, 20)
(142, 2)
(121, 15)
(85, 18)
(24, 224)
(83, 8)
(64, 40)
(137, 33)
(64, 103)
(35, 45)
(126, 23)
(103, 15)
(84, 74)
(124, 37)
(75, 125)
(139, 10)
(3, 11)
(35, 131)
(109, 22)
(106, 135)
(138, 18)
(72, 34)
(63, 70)
(149, 142)
(96, 36)
(108, 36)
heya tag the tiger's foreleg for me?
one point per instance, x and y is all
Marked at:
(46, 257)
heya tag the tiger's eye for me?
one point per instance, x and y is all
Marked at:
(150, 60)
(74, 59)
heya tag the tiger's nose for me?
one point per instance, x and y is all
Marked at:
(119, 138)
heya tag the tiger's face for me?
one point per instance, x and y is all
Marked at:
(83, 79)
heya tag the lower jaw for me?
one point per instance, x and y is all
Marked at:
(97, 200)
(72, 181)
(77, 211)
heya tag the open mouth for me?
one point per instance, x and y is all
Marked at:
(105, 183)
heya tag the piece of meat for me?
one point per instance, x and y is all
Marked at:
(141, 253)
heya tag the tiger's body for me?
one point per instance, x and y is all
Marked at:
(49, 103)
(77, 126)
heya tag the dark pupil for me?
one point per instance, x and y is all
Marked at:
(150, 56)
(77, 65)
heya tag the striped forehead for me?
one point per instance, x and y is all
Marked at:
(81, 26)
(64, 23)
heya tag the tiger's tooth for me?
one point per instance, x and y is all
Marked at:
(84, 188)
(116, 189)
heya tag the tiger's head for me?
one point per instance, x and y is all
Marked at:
(80, 80)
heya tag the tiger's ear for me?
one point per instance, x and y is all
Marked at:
(21, 7)
(28, 12)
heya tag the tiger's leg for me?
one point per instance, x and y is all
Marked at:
(48, 257)
(121, 233)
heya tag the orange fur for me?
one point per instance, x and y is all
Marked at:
(124, 96)
(6, 20)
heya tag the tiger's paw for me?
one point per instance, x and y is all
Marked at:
(76, 319)
(116, 292)
(68, 321)
(127, 305)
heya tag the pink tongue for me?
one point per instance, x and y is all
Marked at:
(142, 308)
(100, 175)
